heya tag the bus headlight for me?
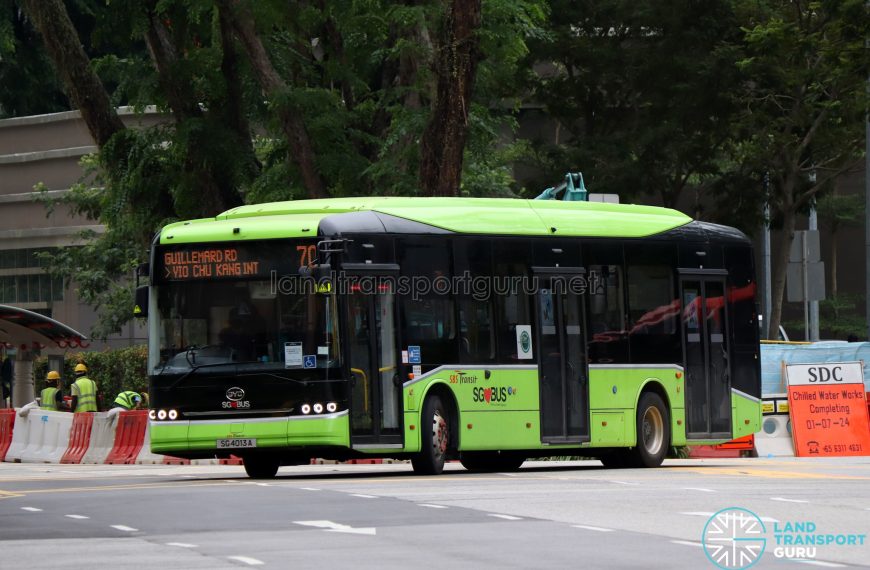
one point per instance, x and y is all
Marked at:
(331, 407)
(306, 409)
(318, 408)
(152, 415)
(161, 415)
(173, 414)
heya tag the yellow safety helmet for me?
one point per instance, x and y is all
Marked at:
(52, 375)
(81, 368)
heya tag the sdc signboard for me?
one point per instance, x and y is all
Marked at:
(828, 409)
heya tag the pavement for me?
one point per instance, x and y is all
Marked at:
(548, 514)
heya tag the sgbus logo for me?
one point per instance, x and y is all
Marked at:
(497, 395)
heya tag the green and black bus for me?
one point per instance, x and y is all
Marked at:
(486, 330)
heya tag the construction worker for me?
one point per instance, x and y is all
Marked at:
(83, 391)
(128, 400)
(51, 397)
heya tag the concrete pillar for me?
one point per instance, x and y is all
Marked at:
(22, 382)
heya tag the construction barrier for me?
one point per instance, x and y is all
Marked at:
(20, 435)
(47, 437)
(129, 436)
(733, 448)
(79, 438)
(7, 425)
(102, 439)
(145, 455)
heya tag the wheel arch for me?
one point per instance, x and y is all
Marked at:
(448, 398)
(655, 386)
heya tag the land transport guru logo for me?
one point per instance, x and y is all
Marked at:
(735, 538)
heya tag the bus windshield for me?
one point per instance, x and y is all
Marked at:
(239, 304)
(212, 323)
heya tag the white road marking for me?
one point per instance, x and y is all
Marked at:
(624, 482)
(247, 560)
(231, 480)
(330, 526)
(596, 528)
(687, 543)
(124, 528)
(77, 516)
(702, 489)
(818, 563)
(785, 500)
(35, 510)
(264, 485)
(506, 517)
(309, 489)
(182, 544)
(432, 506)
(710, 514)
(363, 496)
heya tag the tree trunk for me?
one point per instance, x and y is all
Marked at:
(273, 87)
(780, 265)
(74, 68)
(455, 65)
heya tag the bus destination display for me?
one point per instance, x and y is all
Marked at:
(224, 261)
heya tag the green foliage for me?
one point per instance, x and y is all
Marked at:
(114, 371)
(640, 91)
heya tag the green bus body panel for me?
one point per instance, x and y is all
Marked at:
(168, 437)
(608, 403)
(489, 216)
(513, 421)
(207, 231)
(745, 414)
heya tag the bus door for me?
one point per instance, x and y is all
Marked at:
(372, 355)
(705, 354)
(562, 369)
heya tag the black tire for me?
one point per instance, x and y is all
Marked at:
(434, 438)
(616, 459)
(653, 424)
(490, 461)
(261, 467)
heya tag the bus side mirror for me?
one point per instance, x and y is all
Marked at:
(140, 306)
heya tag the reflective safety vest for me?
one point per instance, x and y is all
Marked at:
(125, 399)
(87, 396)
(49, 401)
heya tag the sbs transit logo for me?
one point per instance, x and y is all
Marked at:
(734, 538)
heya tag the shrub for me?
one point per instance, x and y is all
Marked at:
(113, 370)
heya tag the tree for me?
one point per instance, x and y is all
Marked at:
(640, 92)
(803, 99)
(455, 65)
(272, 100)
(836, 211)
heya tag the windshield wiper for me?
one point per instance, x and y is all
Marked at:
(195, 368)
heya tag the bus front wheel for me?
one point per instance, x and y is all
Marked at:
(261, 467)
(434, 438)
(653, 431)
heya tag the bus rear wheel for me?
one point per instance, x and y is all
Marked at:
(653, 431)
(434, 437)
(261, 467)
(489, 461)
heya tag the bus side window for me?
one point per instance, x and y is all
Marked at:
(477, 333)
(654, 311)
(607, 334)
(513, 310)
